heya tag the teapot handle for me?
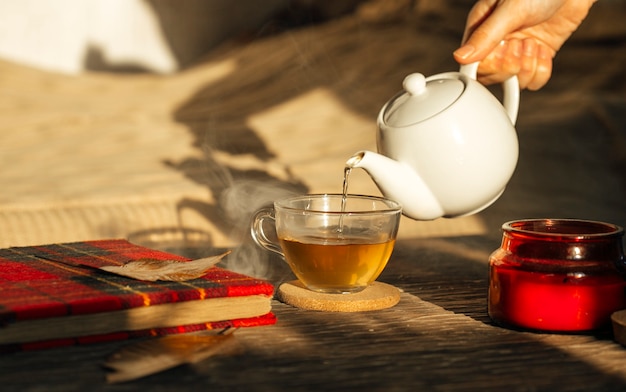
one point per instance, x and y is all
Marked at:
(509, 86)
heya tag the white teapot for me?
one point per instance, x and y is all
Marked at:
(447, 147)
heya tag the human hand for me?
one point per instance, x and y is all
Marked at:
(519, 37)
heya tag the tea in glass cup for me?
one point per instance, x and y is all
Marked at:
(333, 243)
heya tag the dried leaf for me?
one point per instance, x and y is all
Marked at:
(172, 270)
(156, 355)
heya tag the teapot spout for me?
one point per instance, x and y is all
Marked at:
(399, 182)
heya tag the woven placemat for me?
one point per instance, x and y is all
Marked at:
(376, 296)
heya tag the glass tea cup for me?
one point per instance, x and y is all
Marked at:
(332, 243)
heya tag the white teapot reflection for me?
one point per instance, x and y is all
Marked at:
(447, 147)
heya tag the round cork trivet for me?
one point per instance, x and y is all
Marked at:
(376, 296)
(619, 326)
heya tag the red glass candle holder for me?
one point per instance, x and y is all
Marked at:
(557, 275)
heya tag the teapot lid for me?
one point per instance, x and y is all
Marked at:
(422, 99)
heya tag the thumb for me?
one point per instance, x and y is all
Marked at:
(486, 36)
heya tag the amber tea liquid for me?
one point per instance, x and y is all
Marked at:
(338, 264)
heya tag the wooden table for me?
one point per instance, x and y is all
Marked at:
(439, 337)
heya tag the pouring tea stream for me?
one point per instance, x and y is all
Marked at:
(446, 146)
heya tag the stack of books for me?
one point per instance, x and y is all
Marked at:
(55, 295)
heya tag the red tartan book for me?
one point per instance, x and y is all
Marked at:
(49, 296)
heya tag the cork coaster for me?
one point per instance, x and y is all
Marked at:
(376, 296)
(619, 326)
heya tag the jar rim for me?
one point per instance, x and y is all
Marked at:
(564, 228)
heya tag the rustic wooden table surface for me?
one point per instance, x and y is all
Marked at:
(439, 337)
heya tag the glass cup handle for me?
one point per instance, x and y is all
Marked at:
(258, 232)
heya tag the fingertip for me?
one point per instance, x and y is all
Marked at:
(543, 69)
(515, 48)
(545, 54)
(464, 53)
(528, 65)
(529, 48)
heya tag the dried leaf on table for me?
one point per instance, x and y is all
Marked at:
(156, 355)
(172, 270)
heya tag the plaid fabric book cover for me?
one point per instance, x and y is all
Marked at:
(52, 282)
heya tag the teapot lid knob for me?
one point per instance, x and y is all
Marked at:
(415, 84)
(423, 98)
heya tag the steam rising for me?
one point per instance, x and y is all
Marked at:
(238, 203)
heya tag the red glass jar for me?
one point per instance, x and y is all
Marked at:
(558, 275)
